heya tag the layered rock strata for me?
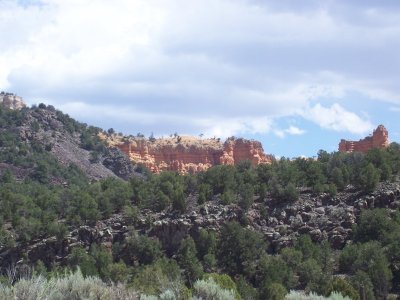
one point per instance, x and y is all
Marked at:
(379, 139)
(188, 154)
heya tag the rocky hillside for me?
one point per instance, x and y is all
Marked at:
(45, 132)
(322, 217)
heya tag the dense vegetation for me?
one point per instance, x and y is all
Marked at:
(233, 262)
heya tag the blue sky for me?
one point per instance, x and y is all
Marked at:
(296, 75)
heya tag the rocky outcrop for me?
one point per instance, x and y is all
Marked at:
(116, 161)
(188, 154)
(11, 101)
(46, 127)
(322, 217)
(237, 150)
(379, 139)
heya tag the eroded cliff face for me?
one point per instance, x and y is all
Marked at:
(189, 154)
(11, 101)
(237, 150)
(379, 139)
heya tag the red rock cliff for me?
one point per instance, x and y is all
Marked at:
(379, 139)
(189, 154)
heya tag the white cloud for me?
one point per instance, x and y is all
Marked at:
(293, 130)
(338, 119)
(220, 67)
(279, 133)
(209, 127)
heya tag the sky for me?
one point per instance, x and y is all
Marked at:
(296, 75)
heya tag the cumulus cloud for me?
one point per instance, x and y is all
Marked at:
(291, 130)
(338, 119)
(209, 127)
(218, 67)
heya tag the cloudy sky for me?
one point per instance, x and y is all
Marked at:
(297, 75)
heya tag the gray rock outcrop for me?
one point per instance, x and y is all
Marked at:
(11, 101)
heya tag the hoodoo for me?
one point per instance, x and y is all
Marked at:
(379, 139)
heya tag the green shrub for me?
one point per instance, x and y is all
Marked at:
(118, 272)
(205, 193)
(67, 287)
(292, 257)
(179, 199)
(290, 193)
(369, 177)
(295, 295)
(246, 291)
(273, 291)
(81, 259)
(167, 295)
(131, 214)
(228, 197)
(273, 269)
(225, 282)
(156, 278)
(342, 286)
(188, 261)
(6, 239)
(332, 190)
(375, 224)
(239, 248)
(347, 257)
(141, 248)
(362, 283)
(305, 245)
(310, 274)
(246, 196)
(208, 289)
(206, 242)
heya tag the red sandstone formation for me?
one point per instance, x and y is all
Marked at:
(379, 139)
(189, 154)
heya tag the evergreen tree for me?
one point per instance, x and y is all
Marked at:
(239, 249)
(369, 178)
(80, 258)
(188, 261)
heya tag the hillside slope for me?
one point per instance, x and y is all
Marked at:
(42, 137)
